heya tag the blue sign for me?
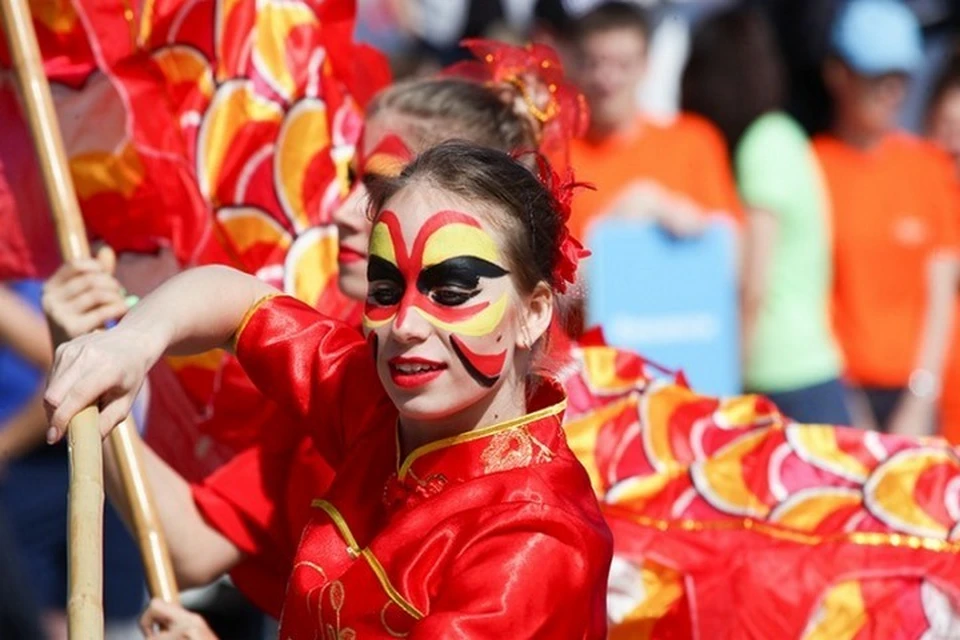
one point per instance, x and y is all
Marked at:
(672, 300)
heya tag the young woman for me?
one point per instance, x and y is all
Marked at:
(790, 353)
(457, 506)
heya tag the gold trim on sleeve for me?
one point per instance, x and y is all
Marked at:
(476, 434)
(355, 551)
(394, 595)
(249, 316)
(340, 523)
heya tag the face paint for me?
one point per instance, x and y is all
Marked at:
(437, 279)
(386, 159)
(484, 369)
(374, 341)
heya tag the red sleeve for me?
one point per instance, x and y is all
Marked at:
(260, 501)
(243, 501)
(315, 367)
(524, 577)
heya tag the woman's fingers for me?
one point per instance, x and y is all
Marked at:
(81, 377)
(106, 258)
(113, 412)
(81, 284)
(71, 270)
(156, 616)
(82, 304)
(164, 621)
(93, 299)
(62, 376)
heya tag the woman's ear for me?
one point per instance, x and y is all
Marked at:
(536, 316)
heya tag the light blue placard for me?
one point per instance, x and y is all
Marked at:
(673, 300)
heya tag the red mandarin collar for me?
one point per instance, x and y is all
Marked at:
(526, 441)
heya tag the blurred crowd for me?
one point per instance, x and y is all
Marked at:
(826, 132)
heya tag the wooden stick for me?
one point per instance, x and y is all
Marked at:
(73, 246)
(85, 527)
(128, 451)
(85, 517)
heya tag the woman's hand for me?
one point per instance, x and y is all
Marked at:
(83, 296)
(105, 369)
(164, 621)
(676, 213)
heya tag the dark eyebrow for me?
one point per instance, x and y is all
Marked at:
(380, 269)
(462, 271)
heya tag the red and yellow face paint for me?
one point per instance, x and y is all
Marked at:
(437, 279)
(386, 159)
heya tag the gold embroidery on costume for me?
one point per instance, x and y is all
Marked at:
(392, 592)
(476, 434)
(308, 596)
(337, 596)
(512, 450)
(386, 627)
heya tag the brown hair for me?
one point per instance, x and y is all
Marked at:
(609, 16)
(494, 178)
(439, 109)
(735, 72)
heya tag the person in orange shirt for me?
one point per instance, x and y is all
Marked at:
(896, 211)
(673, 172)
(943, 127)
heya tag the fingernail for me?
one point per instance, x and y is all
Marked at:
(52, 435)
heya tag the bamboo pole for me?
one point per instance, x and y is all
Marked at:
(128, 451)
(86, 475)
(85, 528)
(85, 511)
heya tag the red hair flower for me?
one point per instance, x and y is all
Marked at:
(569, 250)
(535, 73)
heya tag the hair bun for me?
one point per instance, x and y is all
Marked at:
(533, 85)
(522, 106)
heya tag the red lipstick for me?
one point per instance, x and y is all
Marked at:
(409, 373)
(347, 255)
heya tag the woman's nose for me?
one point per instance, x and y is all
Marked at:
(410, 327)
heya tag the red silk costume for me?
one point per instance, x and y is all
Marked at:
(494, 533)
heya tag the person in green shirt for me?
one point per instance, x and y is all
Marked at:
(735, 78)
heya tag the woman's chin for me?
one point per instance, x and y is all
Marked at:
(427, 405)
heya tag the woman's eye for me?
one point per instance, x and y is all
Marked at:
(450, 297)
(384, 294)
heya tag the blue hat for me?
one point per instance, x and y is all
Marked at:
(876, 37)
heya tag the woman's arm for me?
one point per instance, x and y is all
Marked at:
(761, 236)
(198, 552)
(916, 410)
(195, 311)
(23, 431)
(24, 330)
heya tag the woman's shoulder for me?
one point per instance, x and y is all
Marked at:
(774, 132)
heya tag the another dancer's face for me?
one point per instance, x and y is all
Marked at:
(442, 310)
(380, 152)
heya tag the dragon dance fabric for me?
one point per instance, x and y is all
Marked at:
(732, 521)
